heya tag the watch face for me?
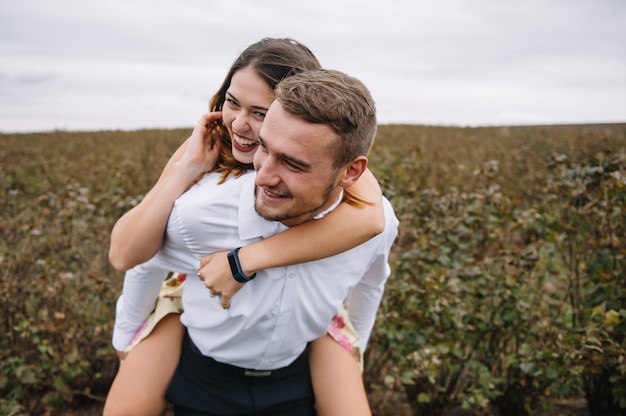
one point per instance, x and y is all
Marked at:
(235, 267)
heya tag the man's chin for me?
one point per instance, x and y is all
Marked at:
(268, 214)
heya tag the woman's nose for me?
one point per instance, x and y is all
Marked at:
(240, 123)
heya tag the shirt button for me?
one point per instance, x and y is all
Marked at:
(292, 275)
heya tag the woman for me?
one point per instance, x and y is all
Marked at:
(243, 99)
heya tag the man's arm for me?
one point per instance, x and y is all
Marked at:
(363, 301)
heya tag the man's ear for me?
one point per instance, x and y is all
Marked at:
(353, 171)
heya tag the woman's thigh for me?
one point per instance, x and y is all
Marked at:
(337, 380)
(140, 384)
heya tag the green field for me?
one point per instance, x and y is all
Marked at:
(508, 291)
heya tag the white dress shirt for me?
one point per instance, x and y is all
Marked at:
(274, 316)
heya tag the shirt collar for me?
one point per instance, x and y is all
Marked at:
(333, 206)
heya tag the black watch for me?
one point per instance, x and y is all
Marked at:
(235, 267)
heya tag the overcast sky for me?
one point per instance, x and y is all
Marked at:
(129, 64)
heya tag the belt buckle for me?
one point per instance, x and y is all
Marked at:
(257, 373)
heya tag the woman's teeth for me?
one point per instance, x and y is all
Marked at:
(242, 141)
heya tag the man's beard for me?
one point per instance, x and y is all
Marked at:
(285, 216)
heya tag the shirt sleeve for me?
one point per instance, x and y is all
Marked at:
(363, 301)
(141, 288)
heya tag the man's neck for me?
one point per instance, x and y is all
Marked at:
(330, 205)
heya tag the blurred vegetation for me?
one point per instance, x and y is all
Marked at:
(508, 291)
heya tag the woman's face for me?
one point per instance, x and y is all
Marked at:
(247, 101)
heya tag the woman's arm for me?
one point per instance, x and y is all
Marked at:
(343, 228)
(139, 233)
(141, 287)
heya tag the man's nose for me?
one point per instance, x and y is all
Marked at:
(266, 173)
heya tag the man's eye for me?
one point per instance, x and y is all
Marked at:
(292, 165)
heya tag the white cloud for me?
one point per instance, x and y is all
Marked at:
(82, 64)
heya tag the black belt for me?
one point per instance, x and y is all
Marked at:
(239, 371)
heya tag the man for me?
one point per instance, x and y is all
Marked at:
(251, 358)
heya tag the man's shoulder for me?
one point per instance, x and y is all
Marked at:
(391, 222)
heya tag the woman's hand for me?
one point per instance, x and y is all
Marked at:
(217, 277)
(201, 152)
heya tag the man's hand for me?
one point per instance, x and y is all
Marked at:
(217, 277)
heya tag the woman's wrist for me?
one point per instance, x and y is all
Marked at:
(235, 267)
(251, 259)
(185, 173)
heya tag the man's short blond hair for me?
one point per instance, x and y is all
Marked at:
(336, 99)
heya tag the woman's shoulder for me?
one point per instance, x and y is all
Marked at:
(211, 185)
(217, 178)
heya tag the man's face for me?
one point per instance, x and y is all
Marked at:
(295, 177)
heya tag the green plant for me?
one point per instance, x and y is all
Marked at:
(507, 284)
(588, 232)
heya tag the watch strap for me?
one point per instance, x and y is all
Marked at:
(235, 267)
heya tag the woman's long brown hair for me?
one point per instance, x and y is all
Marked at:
(273, 59)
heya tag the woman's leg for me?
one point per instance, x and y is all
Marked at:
(140, 384)
(337, 380)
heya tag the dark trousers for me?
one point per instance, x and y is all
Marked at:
(202, 386)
